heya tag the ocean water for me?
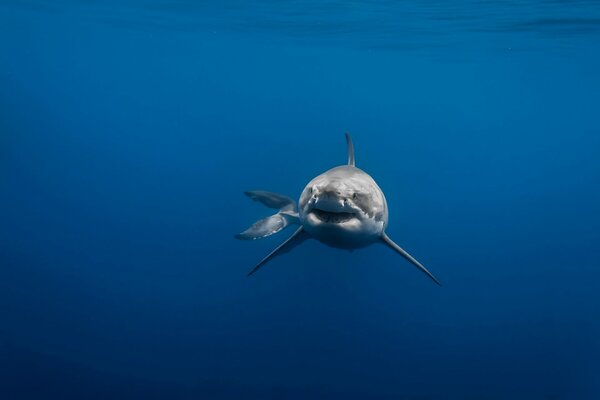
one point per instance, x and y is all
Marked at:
(130, 129)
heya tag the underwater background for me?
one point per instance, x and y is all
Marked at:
(130, 129)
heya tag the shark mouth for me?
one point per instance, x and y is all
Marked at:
(332, 216)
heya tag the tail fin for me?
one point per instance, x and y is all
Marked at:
(272, 200)
(268, 226)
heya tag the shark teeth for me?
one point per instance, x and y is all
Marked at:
(332, 217)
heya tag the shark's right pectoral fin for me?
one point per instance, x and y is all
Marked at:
(386, 239)
(298, 237)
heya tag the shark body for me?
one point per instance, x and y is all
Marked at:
(343, 208)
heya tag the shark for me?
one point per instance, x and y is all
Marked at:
(343, 208)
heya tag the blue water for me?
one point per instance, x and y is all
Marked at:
(129, 130)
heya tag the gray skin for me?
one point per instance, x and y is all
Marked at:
(343, 208)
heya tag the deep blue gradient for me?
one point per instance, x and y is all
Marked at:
(129, 129)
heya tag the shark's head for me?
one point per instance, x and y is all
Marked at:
(343, 207)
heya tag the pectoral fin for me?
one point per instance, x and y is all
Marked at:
(298, 237)
(385, 238)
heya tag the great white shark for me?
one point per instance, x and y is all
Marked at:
(343, 207)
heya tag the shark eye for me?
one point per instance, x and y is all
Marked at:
(354, 195)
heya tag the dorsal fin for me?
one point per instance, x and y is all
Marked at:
(350, 149)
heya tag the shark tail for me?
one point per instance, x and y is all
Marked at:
(287, 215)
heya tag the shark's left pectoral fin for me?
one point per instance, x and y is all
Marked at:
(298, 237)
(386, 239)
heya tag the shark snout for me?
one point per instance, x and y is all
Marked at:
(330, 202)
